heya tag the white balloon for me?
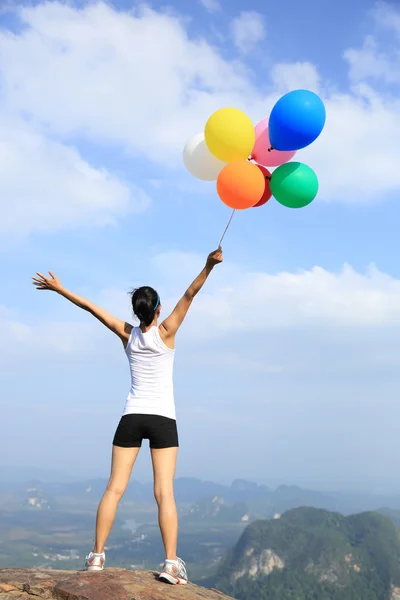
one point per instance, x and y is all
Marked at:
(199, 161)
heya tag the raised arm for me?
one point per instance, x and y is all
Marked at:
(120, 328)
(171, 324)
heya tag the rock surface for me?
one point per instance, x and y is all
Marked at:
(110, 584)
(395, 594)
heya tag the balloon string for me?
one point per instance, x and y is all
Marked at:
(227, 227)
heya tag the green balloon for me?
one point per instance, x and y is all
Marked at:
(294, 185)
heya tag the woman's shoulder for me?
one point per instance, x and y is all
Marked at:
(130, 331)
(165, 341)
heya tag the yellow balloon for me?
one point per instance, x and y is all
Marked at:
(230, 134)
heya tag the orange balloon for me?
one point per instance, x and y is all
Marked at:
(240, 184)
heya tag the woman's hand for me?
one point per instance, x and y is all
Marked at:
(47, 283)
(215, 258)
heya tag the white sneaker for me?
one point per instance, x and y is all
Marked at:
(174, 572)
(95, 562)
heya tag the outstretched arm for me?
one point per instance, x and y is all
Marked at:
(171, 324)
(120, 328)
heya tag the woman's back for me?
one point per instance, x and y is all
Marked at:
(151, 365)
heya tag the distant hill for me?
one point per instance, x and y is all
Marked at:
(393, 515)
(261, 501)
(314, 554)
(216, 510)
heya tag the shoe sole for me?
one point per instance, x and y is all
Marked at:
(173, 580)
(94, 568)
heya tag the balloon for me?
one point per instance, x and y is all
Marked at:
(267, 190)
(240, 184)
(199, 161)
(230, 135)
(260, 153)
(294, 185)
(296, 120)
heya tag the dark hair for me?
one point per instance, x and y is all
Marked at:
(145, 301)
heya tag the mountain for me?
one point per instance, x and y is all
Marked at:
(311, 553)
(216, 510)
(261, 501)
(393, 515)
(187, 490)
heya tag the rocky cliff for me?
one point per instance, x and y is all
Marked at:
(313, 553)
(110, 584)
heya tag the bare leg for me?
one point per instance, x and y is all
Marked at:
(122, 463)
(164, 466)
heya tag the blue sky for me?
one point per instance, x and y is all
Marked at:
(287, 367)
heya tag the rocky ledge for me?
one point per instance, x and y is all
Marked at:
(110, 584)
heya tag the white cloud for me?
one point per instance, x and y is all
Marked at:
(291, 76)
(211, 5)
(348, 164)
(136, 81)
(22, 335)
(316, 299)
(387, 16)
(133, 80)
(45, 185)
(379, 56)
(232, 360)
(248, 29)
(369, 62)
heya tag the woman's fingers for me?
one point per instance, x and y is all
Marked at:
(41, 285)
(45, 283)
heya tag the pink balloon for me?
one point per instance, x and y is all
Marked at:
(260, 153)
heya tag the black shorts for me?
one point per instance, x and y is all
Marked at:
(133, 429)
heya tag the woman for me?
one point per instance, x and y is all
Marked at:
(149, 410)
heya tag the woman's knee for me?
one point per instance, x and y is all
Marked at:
(116, 489)
(164, 494)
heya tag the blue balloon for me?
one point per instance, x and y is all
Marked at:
(296, 120)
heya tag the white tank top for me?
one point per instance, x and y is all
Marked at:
(151, 364)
